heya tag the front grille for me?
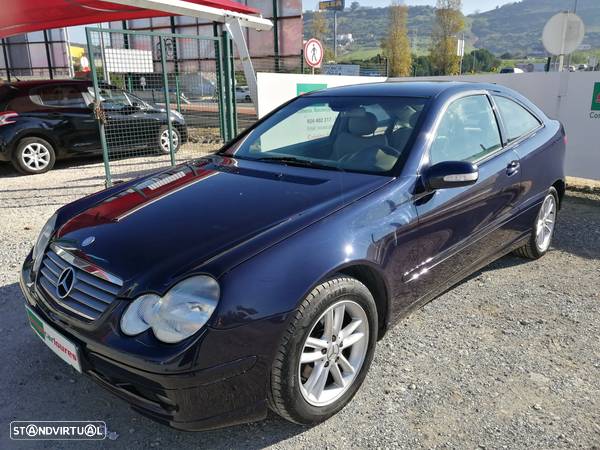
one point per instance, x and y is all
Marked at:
(90, 294)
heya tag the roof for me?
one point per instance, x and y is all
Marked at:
(34, 83)
(24, 16)
(400, 89)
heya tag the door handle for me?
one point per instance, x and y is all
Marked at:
(513, 168)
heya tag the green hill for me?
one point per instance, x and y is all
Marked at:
(512, 28)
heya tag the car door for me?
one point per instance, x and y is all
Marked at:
(74, 124)
(461, 226)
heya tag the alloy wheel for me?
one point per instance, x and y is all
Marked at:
(164, 140)
(35, 156)
(333, 353)
(545, 223)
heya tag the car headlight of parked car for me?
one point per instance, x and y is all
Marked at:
(177, 114)
(42, 241)
(177, 315)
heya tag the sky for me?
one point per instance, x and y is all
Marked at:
(469, 6)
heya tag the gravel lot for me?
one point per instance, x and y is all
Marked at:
(509, 358)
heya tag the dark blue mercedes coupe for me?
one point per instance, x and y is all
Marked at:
(263, 276)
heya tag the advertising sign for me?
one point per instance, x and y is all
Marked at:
(332, 5)
(596, 97)
(128, 60)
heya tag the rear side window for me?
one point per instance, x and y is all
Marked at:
(517, 120)
(467, 132)
(62, 96)
(7, 93)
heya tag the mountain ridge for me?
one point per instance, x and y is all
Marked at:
(514, 28)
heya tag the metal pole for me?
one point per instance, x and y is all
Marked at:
(219, 88)
(234, 103)
(227, 85)
(106, 75)
(101, 130)
(335, 35)
(176, 63)
(163, 62)
(301, 60)
(571, 54)
(48, 57)
(276, 34)
(69, 55)
(128, 80)
(6, 62)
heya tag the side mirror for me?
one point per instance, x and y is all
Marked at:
(450, 174)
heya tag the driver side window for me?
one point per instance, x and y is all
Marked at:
(467, 132)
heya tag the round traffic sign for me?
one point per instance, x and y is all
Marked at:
(313, 52)
(563, 33)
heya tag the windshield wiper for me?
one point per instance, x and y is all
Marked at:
(292, 161)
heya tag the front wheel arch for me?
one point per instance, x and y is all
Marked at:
(375, 282)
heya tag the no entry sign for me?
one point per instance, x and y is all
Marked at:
(313, 52)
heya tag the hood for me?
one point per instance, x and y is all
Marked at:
(155, 230)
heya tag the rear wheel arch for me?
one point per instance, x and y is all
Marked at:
(58, 149)
(561, 188)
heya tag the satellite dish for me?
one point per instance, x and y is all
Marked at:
(563, 33)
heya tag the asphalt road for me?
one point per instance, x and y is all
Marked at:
(510, 358)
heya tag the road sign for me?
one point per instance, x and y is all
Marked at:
(313, 52)
(563, 33)
(332, 5)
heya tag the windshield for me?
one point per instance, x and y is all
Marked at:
(363, 134)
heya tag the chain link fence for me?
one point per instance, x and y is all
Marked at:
(158, 98)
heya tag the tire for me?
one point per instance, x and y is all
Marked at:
(290, 391)
(33, 155)
(163, 136)
(537, 247)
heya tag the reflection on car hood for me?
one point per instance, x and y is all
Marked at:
(177, 219)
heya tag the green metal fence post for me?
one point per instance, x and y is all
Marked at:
(227, 85)
(163, 63)
(233, 81)
(108, 181)
(220, 82)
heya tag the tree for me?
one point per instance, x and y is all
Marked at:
(354, 6)
(396, 45)
(449, 22)
(480, 60)
(320, 29)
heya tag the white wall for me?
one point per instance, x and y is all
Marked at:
(566, 96)
(277, 88)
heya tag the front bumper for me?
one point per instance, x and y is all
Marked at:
(222, 394)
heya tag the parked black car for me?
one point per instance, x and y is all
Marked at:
(41, 121)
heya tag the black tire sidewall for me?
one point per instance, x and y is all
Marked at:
(296, 406)
(17, 159)
(161, 131)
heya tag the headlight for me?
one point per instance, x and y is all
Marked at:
(180, 313)
(177, 114)
(42, 241)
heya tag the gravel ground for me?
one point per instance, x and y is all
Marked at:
(510, 358)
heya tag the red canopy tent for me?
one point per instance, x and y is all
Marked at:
(23, 16)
